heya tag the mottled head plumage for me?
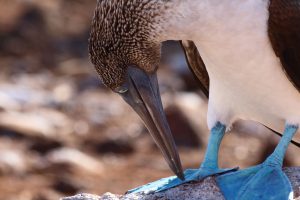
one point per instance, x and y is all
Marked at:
(123, 34)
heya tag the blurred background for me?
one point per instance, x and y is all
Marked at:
(62, 132)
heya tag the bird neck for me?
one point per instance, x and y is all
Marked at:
(184, 19)
(203, 19)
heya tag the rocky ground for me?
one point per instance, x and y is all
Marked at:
(206, 189)
(62, 132)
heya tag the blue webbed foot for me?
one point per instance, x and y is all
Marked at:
(261, 182)
(209, 166)
(266, 181)
(170, 182)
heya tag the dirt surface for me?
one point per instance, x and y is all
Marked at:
(62, 132)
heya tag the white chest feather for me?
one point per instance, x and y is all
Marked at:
(246, 78)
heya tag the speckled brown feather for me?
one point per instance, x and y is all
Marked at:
(123, 34)
(284, 33)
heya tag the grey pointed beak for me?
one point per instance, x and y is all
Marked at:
(142, 94)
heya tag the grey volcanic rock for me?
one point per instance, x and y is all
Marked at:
(202, 190)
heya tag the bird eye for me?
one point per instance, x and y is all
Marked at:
(121, 89)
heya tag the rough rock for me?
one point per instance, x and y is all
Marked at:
(202, 190)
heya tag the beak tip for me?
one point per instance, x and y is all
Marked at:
(180, 175)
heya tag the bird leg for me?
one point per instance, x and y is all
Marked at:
(209, 166)
(265, 181)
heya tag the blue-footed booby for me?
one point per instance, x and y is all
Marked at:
(251, 50)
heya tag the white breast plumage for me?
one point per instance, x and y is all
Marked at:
(246, 77)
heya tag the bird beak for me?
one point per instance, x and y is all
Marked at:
(143, 96)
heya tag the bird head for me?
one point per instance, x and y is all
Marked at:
(126, 53)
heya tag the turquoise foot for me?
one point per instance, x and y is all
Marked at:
(261, 182)
(266, 181)
(173, 181)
